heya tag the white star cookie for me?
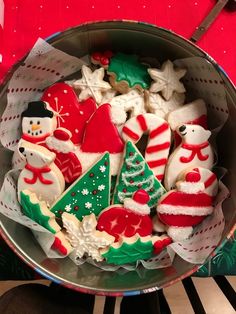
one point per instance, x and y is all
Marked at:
(84, 237)
(132, 102)
(161, 107)
(91, 84)
(167, 79)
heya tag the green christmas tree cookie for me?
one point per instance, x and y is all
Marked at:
(129, 250)
(135, 174)
(90, 193)
(38, 211)
(127, 68)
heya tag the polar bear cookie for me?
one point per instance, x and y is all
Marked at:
(194, 150)
(40, 175)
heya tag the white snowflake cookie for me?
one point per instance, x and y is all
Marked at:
(84, 238)
(91, 84)
(167, 79)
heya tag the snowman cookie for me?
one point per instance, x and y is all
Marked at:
(40, 175)
(37, 122)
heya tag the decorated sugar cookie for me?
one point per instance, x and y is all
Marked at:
(132, 103)
(126, 73)
(194, 150)
(40, 175)
(127, 220)
(135, 174)
(207, 177)
(91, 84)
(102, 58)
(194, 112)
(159, 138)
(90, 193)
(129, 250)
(71, 114)
(61, 244)
(66, 160)
(37, 122)
(160, 107)
(38, 211)
(84, 238)
(167, 79)
(101, 136)
(186, 206)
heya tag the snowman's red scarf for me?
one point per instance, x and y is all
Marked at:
(196, 150)
(37, 174)
(34, 139)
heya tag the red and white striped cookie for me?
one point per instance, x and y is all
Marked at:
(159, 139)
(208, 178)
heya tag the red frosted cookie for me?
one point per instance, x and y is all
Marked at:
(187, 205)
(128, 220)
(71, 114)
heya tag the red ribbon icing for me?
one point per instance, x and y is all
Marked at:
(34, 139)
(196, 150)
(37, 174)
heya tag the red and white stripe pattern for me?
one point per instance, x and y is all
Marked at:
(159, 139)
(207, 178)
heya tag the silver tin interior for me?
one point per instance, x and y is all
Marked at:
(144, 40)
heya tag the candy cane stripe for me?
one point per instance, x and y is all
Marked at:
(157, 163)
(210, 180)
(130, 133)
(157, 148)
(142, 122)
(159, 139)
(160, 129)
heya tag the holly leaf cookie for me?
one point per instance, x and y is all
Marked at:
(38, 211)
(126, 72)
(135, 174)
(90, 193)
(71, 114)
(167, 79)
(129, 250)
(91, 84)
(84, 237)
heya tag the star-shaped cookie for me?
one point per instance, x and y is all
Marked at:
(91, 84)
(167, 79)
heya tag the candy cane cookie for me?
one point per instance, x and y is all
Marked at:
(159, 139)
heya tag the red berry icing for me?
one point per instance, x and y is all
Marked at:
(193, 176)
(141, 197)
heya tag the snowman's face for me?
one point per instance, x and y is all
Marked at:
(37, 127)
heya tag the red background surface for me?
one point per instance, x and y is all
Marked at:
(26, 20)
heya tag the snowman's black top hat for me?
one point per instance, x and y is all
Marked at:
(37, 109)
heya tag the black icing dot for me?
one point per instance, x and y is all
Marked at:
(29, 131)
(36, 133)
(38, 122)
(31, 122)
(40, 132)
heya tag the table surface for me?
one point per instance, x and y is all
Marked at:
(26, 20)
